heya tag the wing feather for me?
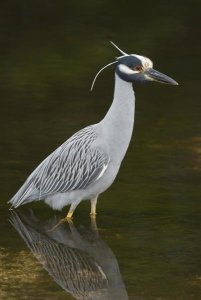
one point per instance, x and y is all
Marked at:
(74, 165)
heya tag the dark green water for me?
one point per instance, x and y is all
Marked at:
(149, 221)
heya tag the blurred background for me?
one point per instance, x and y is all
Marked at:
(150, 218)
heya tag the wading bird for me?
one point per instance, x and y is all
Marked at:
(87, 163)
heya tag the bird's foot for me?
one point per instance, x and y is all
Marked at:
(69, 220)
(63, 220)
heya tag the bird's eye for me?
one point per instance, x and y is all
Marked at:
(138, 68)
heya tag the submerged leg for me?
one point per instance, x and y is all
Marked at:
(93, 207)
(68, 217)
(63, 220)
(94, 227)
(57, 225)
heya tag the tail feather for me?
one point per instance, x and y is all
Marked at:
(27, 193)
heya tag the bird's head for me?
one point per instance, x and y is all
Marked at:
(136, 68)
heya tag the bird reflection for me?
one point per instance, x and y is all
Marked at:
(79, 261)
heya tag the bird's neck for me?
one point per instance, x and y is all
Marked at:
(119, 119)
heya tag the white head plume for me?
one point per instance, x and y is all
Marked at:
(122, 52)
(114, 62)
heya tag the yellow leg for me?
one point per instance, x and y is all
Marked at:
(69, 214)
(68, 217)
(71, 211)
(93, 207)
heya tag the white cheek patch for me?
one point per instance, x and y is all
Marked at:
(126, 70)
(146, 62)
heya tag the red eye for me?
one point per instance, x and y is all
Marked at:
(138, 68)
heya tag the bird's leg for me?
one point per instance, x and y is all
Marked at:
(93, 207)
(63, 220)
(71, 210)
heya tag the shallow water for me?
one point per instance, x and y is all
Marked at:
(148, 242)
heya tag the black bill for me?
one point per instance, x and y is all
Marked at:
(160, 77)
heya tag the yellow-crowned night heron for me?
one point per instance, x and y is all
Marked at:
(88, 162)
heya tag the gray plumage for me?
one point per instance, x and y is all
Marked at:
(73, 166)
(87, 163)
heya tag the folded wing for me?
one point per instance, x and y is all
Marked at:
(73, 166)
